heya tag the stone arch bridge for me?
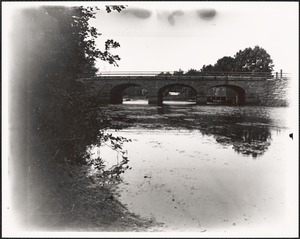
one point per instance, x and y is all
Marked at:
(249, 90)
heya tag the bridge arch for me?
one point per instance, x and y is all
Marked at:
(117, 92)
(226, 94)
(189, 94)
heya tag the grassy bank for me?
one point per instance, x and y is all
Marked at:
(64, 197)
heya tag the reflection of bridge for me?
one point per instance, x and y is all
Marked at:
(249, 89)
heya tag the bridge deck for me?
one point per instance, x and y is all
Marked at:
(192, 78)
(170, 76)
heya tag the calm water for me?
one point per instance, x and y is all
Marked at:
(209, 169)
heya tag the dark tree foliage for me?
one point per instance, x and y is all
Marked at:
(207, 68)
(225, 64)
(178, 73)
(253, 60)
(193, 72)
(164, 74)
(62, 46)
(118, 8)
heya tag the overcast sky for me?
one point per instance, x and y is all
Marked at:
(166, 36)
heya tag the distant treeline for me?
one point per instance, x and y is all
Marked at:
(250, 60)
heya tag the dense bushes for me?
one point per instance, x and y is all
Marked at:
(61, 46)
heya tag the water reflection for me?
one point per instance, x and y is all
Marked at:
(246, 140)
(191, 168)
(246, 129)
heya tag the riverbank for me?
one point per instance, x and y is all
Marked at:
(64, 197)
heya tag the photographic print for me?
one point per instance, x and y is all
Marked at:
(158, 119)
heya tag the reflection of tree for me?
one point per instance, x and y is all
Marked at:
(236, 130)
(247, 140)
(247, 133)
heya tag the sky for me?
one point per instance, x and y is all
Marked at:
(167, 36)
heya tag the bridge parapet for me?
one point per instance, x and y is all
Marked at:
(183, 73)
(181, 78)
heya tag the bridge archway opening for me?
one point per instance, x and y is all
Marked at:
(129, 93)
(177, 94)
(226, 95)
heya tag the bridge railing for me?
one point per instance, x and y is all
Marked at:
(184, 74)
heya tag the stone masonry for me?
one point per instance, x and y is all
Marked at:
(250, 90)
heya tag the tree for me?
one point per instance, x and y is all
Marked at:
(208, 68)
(193, 72)
(178, 73)
(225, 64)
(164, 74)
(61, 47)
(49, 119)
(253, 60)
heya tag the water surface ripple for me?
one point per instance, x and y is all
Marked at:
(204, 168)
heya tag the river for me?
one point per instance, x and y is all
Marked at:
(208, 169)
